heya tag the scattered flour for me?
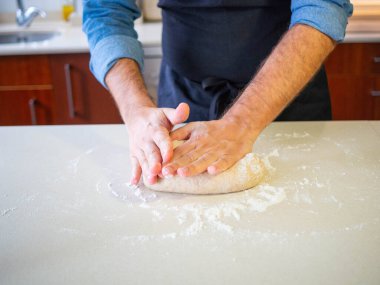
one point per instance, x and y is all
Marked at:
(225, 213)
(74, 163)
(195, 215)
(7, 211)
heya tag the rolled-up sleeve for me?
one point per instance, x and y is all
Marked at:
(109, 27)
(328, 16)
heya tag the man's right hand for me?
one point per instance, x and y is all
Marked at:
(148, 126)
(149, 141)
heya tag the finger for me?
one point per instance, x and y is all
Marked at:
(136, 171)
(153, 157)
(145, 168)
(182, 133)
(164, 143)
(222, 164)
(198, 166)
(169, 169)
(182, 162)
(178, 115)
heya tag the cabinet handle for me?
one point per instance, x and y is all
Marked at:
(376, 59)
(32, 108)
(69, 90)
(375, 93)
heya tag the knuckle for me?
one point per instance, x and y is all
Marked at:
(224, 161)
(191, 156)
(206, 158)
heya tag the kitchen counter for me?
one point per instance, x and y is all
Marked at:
(68, 216)
(73, 40)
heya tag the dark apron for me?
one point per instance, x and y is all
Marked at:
(212, 49)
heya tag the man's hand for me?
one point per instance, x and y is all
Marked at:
(215, 146)
(149, 139)
(148, 126)
(212, 146)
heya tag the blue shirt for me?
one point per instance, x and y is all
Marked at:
(111, 35)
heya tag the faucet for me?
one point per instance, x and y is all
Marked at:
(25, 18)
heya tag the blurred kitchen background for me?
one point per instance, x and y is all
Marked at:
(44, 75)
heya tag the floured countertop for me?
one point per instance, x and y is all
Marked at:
(68, 215)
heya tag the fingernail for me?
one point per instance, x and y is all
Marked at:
(167, 171)
(211, 170)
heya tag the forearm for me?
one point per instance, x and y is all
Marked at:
(109, 26)
(290, 66)
(127, 87)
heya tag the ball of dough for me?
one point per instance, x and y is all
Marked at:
(245, 174)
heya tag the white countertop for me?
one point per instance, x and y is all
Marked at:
(73, 40)
(67, 215)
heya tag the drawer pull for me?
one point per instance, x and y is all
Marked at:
(69, 90)
(375, 93)
(376, 59)
(32, 108)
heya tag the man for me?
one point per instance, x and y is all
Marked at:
(230, 67)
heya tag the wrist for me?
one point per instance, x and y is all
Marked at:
(128, 89)
(241, 125)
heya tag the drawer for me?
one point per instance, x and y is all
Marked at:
(24, 70)
(345, 59)
(26, 107)
(371, 58)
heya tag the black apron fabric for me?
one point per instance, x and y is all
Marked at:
(212, 48)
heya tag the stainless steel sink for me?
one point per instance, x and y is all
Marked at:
(26, 37)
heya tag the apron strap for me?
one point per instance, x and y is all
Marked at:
(224, 93)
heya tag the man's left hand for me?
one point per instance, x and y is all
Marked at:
(212, 146)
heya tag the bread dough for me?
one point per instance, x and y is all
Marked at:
(245, 174)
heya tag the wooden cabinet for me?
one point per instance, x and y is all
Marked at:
(25, 91)
(52, 89)
(353, 71)
(78, 97)
(26, 107)
(60, 89)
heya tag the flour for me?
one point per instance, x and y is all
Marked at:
(293, 135)
(194, 214)
(74, 163)
(6, 211)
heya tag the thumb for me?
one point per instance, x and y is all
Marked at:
(178, 115)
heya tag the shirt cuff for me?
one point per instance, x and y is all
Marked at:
(328, 17)
(109, 50)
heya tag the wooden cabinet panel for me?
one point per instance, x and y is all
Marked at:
(25, 107)
(24, 70)
(351, 98)
(79, 98)
(25, 90)
(353, 72)
(371, 59)
(345, 59)
(373, 90)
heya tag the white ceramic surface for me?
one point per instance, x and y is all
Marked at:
(67, 215)
(71, 38)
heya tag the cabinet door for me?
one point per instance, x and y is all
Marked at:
(25, 70)
(25, 107)
(79, 98)
(353, 72)
(350, 98)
